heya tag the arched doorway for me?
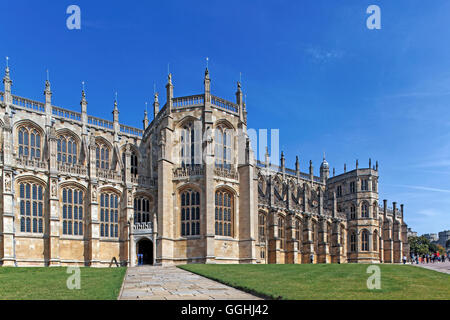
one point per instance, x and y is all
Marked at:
(145, 247)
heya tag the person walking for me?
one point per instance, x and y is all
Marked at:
(404, 259)
(311, 257)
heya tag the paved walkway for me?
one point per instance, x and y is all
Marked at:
(437, 266)
(171, 283)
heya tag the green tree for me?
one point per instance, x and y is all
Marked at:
(419, 245)
(433, 248)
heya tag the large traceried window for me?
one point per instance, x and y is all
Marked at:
(29, 143)
(365, 240)
(31, 207)
(102, 156)
(224, 213)
(67, 149)
(223, 147)
(190, 213)
(72, 211)
(141, 210)
(109, 215)
(189, 154)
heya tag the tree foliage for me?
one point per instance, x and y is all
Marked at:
(419, 245)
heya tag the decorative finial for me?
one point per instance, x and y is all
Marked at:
(168, 68)
(7, 68)
(207, 63)
(146, 108)
(48, 76)
(154, 88)
(115, 97)
(240, 77)
(324, 156)
(82, 85)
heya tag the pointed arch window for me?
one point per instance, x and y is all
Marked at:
(262, 227)
(224, 213)
(67, 149)
(365, 210)
(29, 143)
(73, 211)
(352, 212)
(189, 144)
(31, 207)
(109, 215)
(190, 213)
(102, 155)
(352, 241)
(365, 240)
(134, 164)
(223, 147)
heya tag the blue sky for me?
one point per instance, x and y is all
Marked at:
(309, 68)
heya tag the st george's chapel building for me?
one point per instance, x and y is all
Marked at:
(186, 188)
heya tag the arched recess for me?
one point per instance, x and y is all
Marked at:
(145, 251)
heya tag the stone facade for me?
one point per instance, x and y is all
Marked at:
(79, 190)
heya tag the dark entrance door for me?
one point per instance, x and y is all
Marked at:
(145, 247)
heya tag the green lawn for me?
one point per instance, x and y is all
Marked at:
(50, 284)
(329, 281)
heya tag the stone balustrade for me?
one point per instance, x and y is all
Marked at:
(32, 163)
(186, 172)
(109, 175)
(226, 173)
(72, 169)
(143, 227)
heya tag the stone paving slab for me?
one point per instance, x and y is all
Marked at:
(436, 266)
(172, 283)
